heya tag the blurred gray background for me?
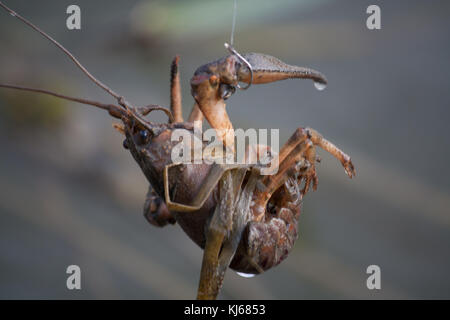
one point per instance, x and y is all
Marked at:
(70, 194)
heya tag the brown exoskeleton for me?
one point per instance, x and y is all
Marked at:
(242, 219)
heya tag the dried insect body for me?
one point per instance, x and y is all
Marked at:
(242, 219)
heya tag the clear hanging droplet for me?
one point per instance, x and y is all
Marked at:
(319, 86)
(245, 275)
(13, 14)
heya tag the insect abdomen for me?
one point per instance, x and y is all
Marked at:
(265, 244)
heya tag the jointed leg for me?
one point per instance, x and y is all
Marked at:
(155, 210)
(310, 174)
(218, 250)
(210, 281)
(175, 91)
(301, 145)
(300, 135)
(217, 116)
(205, 90)
(270, 184)
(326, 145)
(220, 244)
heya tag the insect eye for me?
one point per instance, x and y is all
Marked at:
(226, 91)
(143, 136)
(125, 144)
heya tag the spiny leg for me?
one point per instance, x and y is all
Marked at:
(175, 91)
(310, 174)
(299, 146)
(299, 136)
(156, 211)
(270, 183)
(302, 134)
(326, 145)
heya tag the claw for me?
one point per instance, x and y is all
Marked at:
(349, 167)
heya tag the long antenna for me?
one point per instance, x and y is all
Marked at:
(71, 56)
(114, 110)
(233, 24)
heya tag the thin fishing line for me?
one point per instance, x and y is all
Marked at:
(233, 25)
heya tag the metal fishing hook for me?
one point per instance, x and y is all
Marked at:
(247, 64)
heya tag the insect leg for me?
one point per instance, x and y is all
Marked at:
(222, 236)
(155, 210)
(206, 92)
(209, 284)
(196, 114)
(301, 135)
(269, 184)
(214, 175)
(326, 145)
(217, 117)
(175, 91)
(291, 153)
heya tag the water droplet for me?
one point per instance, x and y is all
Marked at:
(13, 14)
(320, 86)
(245, 275)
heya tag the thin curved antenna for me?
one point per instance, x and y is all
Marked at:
(70, 55)
(114, 110)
